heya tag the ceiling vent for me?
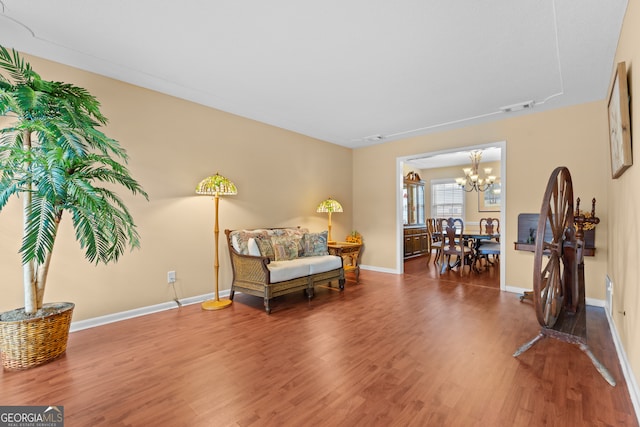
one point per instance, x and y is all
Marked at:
(374, 138)
(517, 107)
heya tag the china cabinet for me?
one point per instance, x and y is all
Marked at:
(413, 202)
(416, 236)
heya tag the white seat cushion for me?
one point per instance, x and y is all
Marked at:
(323, 263)
(290, 269)
(301, 267)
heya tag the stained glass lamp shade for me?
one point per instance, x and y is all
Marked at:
(329, 205)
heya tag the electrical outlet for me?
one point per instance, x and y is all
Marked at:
(171, 277)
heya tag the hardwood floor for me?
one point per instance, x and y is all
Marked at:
(393, 350)
(488, 277)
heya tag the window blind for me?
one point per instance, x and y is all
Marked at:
(447, 199)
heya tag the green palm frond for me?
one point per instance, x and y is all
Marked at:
(104, 227)
(8, 188)
(41, 230)
(66, 166)
(105, 234)
(18, 69)
(104, 169)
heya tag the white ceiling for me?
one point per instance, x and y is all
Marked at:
(350, 72)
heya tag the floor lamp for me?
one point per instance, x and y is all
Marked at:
(329, 206)
(216, 186)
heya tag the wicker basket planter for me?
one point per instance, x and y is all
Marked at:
(31, 342)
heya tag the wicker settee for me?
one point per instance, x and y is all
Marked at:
(270, 262)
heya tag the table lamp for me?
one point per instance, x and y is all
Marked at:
(329, 206)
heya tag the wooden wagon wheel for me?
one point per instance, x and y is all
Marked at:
(558, 283)
(555, 279)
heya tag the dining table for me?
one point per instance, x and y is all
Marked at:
(473, 239)
(477, 236)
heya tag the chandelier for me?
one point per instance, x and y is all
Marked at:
(472, 180)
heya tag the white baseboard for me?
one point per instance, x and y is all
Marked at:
(379, 269)
(595, 302)
(632, 385)
(589, 301)
(516, 290)
(142, 311)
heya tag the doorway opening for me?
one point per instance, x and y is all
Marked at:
(450, 162)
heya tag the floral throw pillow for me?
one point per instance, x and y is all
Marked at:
(315, 244)
(240, 239)
(294, 233)
(284, 248)
(264, 244)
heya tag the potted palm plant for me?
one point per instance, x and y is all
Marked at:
(55, 159)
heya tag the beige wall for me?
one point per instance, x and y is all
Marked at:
(535, 145)
(624, 207)
(281, 177)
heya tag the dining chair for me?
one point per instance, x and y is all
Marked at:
(490, 226)
(483, 251)
(437, 238)
(454, 244)
(429, 224)
(490, 247)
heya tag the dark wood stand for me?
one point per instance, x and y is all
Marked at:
(527, 224)
(558, 293)
(572, 328)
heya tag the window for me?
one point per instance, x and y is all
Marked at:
(447, 199)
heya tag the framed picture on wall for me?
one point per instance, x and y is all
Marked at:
(619, 123)
(491, 199)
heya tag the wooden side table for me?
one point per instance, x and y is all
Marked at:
(350, 253)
